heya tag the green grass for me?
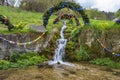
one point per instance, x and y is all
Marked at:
(26, 18)
(21, 17)
(18, 17)
(106, 62)
(103, 24)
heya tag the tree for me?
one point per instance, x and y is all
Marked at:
(96, 14)
(117, 14)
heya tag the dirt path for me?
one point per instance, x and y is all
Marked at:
(60, 72)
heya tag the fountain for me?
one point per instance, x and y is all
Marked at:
(60, 50)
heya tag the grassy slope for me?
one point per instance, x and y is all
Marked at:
(24, 18)
(17, 15)
(20, 17)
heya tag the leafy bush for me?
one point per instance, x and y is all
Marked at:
(18, 60)
(34, 5)
(14, 56)
(75, 33)
(4, 64)
(106, 62)
(82, 54)
(20, 25)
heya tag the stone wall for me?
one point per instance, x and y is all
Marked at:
(87, 37)
(109, 37)
(6, 48)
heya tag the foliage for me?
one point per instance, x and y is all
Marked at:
(22, 60)
(38, 5)
(20, 25)
(34, 5)
(82, 54)
(106, 62)
(117, 14)
(70, 51)
(14, 57)
(4, 64)
(76, 32)
(70, 45)
(99, 15)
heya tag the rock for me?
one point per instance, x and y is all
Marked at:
(72, 72)
(107, 69)
(38, 76)
(45, 64)
(65, 74)
(58, 62)
(55, 30)
(116, 73)
(6, 48)
(37, 28)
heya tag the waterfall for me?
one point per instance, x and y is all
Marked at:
(60, 50)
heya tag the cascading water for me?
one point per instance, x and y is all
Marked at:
(60, 50)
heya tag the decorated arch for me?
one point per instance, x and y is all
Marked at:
(66, 16)
(61, 5)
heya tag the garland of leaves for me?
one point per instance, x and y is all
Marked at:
(4, 20)
(71, 5)
(66, 16)
(107, 49)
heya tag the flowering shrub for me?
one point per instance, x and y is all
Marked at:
(20, 25)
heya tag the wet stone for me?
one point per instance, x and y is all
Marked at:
(37, 28)
(65, 74)
(45, 64)
(39, 77)
(72, 72)
(107, 69)
(116, 73)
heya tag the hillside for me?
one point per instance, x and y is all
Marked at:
(22, 18)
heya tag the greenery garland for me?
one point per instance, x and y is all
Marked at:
(4, 20)
(66, 16)
(71, 5)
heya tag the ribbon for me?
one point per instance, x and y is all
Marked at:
(17, 43)
(64, 4)
(51, 11)
(107, 49)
